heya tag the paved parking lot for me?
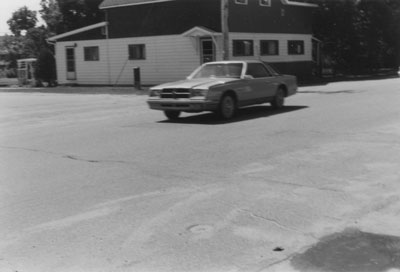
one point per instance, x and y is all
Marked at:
(91, 181)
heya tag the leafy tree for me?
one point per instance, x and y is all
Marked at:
(359, 35)
(66, 15)
(22, 19)
(79, 13)
(332, 21)
(14, 45)
(51, 14)
(35, 41)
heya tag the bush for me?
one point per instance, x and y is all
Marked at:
(11, 73)
(46, 68)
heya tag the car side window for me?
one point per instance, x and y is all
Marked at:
(272, 70)
(257, 70)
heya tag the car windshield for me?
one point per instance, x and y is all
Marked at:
(233, 70)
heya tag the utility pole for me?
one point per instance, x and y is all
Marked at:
(225, 28)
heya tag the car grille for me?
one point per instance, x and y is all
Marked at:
(175, 93)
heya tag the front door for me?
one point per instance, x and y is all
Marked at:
(71, 70)
(207, 50)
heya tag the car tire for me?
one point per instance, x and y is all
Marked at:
(279, 99)
(172, 115)
(227, 107)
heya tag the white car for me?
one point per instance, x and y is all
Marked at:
(223, 87)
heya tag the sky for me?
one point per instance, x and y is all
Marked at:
(7, 7)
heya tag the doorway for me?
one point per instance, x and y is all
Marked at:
(207, 48)
(71, 67)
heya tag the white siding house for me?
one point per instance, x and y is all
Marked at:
(108, 52)
(113, 66)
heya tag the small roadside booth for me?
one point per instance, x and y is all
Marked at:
(26, 71)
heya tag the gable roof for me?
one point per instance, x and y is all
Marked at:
(199, 31)
(76, 31)
(122, 3)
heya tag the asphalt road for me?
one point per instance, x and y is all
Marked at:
(98, 182)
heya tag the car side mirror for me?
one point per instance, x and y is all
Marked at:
(248, 77)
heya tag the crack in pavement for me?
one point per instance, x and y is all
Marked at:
(273, 221)
(306, 186)
(65, 156)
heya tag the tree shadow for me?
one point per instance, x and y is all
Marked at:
(243, 114)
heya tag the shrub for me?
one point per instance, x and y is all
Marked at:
(46, 67)
(11, 73)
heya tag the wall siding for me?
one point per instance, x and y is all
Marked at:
(88, 72)
(168, 58)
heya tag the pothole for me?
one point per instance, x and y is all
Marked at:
(351, 250)
(197, 229)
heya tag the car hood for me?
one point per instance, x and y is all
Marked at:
(196, 83)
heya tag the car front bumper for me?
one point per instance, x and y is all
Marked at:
(187, 105)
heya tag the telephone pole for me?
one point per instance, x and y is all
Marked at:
(225, 28)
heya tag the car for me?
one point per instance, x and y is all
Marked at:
(223, 87)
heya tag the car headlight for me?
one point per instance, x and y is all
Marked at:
(198, 92)
(155, 92)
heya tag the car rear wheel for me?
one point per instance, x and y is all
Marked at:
(279, 99)
(172, 115)
(227, 107)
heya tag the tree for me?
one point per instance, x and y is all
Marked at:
(332, 21)
(359, 35)
(79, 13)
(66, 15)
(35, 41)
(22, 19)
(52, 16)
(14, 46)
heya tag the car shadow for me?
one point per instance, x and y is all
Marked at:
(243, 114)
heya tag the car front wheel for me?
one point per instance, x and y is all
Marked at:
(279, 99)
(172, 115)
(227, 107)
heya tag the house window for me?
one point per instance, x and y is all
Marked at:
(137, 51)
(91, 53)
(296, 47)
(241, 2)
(265, 3)
(243, 48)
(269, 48)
